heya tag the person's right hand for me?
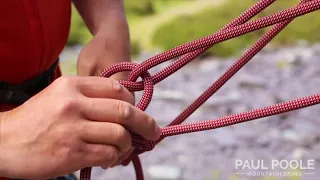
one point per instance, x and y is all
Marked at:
(76, 122)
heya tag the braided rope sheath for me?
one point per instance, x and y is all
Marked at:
(191, 50)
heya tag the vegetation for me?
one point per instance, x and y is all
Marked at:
(135, 10)
(79, 33)
(180, 29)
(143, 7)
(183, 29)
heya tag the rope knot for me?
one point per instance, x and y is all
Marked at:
(142, 144)
(191, 50)
(147, 85)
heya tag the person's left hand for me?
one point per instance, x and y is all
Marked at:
(99, 54)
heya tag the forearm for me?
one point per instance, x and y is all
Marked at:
(106, 20)
(3, 170)
(2, 173)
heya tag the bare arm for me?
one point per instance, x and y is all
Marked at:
(111, 43)
(57, 132)
(106, 20)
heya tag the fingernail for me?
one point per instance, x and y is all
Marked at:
(116, 85)
(157, 130)
(104, 167)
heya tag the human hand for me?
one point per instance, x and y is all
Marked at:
(101, 52)
(76, 122)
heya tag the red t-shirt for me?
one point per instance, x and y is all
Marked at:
(32, 35)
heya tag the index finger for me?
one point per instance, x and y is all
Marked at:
(100, 87)
(120, 112)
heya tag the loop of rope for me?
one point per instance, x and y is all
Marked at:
(236, 28)
(137, 140)
(146, 77)
(191, 50)
(224, 35)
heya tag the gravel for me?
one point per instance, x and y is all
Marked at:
(273, 76)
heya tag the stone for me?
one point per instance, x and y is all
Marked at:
(288, 56)
(209, 66)
(273, 133)
(225, 138)
(161, 172)
(247, 135)
(316, 49)
(244, 154)
(229, 99)
(305, 54)
(239, 108)
(251, 81)
(263, 141)
(291, 136)
(298, 153)
(314, 152)
(307, 131)
(194, 155)
(169, 94)
(302, 43)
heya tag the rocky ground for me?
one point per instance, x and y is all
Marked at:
(273, 76)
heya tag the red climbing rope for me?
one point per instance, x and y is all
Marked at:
(191, 50)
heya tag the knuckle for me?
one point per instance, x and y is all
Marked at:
(64, 81)
(124, 110)
(96, 155)
(123, 137)
(113, 153)
(151, 124)
(69, 148)
(98, 150)
(108, 155)
(119, 131)
(63, 133)
(101, 155)
(116, 86)
(67, 105)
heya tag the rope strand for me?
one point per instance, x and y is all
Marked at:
(241, 117)
(191, 50)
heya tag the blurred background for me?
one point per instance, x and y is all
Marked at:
(287, 68)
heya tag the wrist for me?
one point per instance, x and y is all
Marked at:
(3, 152)
(110, 45)
(105, 49)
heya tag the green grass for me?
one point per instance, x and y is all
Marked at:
(138, 22)
(185, 28)
(136, 11)
(142, 21)
(143, 30)
(170, 23)
(79, 33)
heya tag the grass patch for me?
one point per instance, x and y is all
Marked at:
(137, 11)
(79, 33)
(186, 28)
(145, 29)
